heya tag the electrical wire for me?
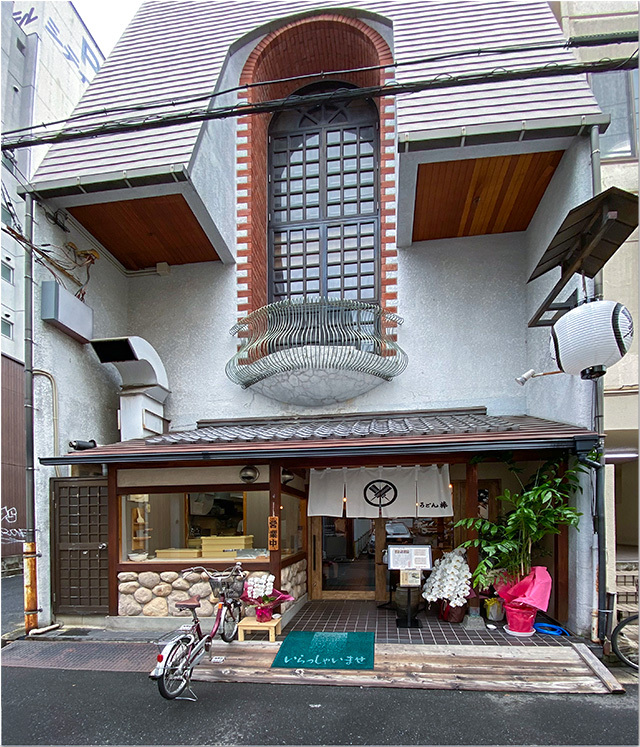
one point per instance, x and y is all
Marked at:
(67, 260)
(475, 51)
(340, 95)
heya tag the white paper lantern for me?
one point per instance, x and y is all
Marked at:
(591, 337)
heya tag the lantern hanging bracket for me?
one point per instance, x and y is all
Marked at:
(588, 237)
(568, 271)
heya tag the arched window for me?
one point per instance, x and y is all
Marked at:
(323, 201)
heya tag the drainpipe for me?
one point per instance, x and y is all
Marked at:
(29, 545)
(54, 414)
(600, 613)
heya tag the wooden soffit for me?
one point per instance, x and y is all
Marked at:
(140, 233)
(480, 195)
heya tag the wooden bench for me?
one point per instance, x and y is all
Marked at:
(274, 627)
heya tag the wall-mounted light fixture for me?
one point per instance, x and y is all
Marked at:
(287, 476)
(249, 473)
(531, 374)
(82, 445)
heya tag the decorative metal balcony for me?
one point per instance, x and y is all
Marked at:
(317, 351)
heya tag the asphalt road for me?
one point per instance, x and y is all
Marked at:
(61, 707)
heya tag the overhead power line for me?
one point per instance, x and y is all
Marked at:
(619, 37)
(137, 124)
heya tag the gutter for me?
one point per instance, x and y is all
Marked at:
(358, 449)
(602, 617)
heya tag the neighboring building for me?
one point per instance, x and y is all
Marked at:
(617, 95)
(48, 59)
(371, 255)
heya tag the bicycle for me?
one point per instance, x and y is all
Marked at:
(624, 641)
(185, 647)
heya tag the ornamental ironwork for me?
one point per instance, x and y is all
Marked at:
(322, 334)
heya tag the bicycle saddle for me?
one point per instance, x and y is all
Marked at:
(189, 604)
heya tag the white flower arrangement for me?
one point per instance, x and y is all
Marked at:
(260, 588)
(450, 579)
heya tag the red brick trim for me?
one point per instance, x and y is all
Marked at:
(319, 42)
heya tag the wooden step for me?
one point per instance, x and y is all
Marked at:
(625, 609)
(550, 669)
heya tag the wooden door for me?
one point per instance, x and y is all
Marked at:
(80, 537)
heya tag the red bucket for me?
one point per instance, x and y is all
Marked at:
(520, 617)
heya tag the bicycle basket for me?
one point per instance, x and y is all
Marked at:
(233, 586)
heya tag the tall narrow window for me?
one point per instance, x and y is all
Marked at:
(617, 94)
(323, 202)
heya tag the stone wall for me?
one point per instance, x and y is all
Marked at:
(154, 594)
(294, 581)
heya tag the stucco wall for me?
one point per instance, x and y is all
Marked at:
(562, 397)
(462, 308)
(87, 390)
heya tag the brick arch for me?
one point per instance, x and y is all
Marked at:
(321, 44)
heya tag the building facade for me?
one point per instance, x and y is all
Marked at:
(48, 59)
(617, 94)
(361, 203)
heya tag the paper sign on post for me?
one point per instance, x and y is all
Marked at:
(410, 557)
(273, 525)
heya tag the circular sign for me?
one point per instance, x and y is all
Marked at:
(380, 493)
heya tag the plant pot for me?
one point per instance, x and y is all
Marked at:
(451, 614)
(520, 618)
(264, 614)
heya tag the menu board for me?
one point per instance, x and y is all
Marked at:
(408, 557)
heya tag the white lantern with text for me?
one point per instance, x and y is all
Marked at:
(591, 337)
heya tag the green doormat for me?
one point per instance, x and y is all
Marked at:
(303, 650)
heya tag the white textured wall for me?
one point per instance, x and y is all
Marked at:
(562, 397)
(460, 299)
(87, 389)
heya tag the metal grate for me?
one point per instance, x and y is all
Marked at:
(323, 204)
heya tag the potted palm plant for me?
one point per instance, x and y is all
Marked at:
(507, 545)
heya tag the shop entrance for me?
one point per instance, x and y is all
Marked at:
(348, 555)
(346, 558)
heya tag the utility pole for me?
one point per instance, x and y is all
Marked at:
(29, 546)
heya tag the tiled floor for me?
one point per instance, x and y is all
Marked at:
(344, 616)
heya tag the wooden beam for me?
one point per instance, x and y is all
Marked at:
(382, 593)
(274, 510)
(114, 523)
(472, 512)
(315, 558)
(561, 574)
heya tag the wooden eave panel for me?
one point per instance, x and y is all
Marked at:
(141, 233)
(480, 196)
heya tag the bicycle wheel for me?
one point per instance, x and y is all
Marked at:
(176, 674)
(625, 641)
(230, 624)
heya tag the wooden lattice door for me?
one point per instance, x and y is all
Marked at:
(80, 536)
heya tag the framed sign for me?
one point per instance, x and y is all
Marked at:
(411, 578)
(409, 557)
(273, 539)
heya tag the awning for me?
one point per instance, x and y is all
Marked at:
(303, 440)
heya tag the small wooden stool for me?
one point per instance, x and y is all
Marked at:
(250, 623)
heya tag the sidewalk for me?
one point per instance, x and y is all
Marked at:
(74, 647)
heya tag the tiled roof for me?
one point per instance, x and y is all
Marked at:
(172, 49)
(419, 433)
(302, 429)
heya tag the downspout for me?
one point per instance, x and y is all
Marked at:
(599, 626)
(54, 417)
(29, 545)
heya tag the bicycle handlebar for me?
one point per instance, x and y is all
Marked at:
(230, 571)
